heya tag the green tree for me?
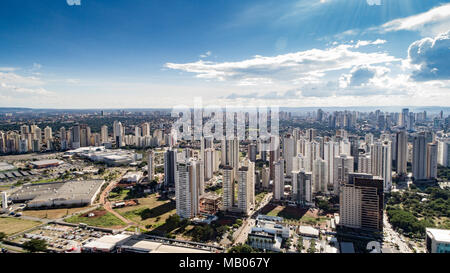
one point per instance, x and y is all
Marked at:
(241, 248)
(35, 245)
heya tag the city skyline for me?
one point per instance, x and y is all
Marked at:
(292, 53)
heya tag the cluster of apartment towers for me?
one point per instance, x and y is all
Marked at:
(301, 165)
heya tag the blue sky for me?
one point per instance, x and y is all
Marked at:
(143, 53)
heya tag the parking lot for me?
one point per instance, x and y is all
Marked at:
(62, 238)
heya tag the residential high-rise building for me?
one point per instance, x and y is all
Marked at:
(401, 151)
(230, 154)
(331, 151)
(265, 177)
(381, 160)
(246, 187)
(312, 152)
(76, 143)
(228, 188)
(288, 152)
(311, 134)
(118, 132)
(419, 160)
(187, 187)
(151, 166)
(274, 154)
(146, 129)
(361, 203)
(278, 181)
(302, 187)
(48, 134)
(170, 161)
(343, 165)
(62, 138)
(209, 159)
(432, 160)
(319, 176)
(300, 162)
(104, 134)
(443, 152)
(365, 163)
(404, 116)
(252, 152)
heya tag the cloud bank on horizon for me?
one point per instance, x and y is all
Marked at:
(401, 61)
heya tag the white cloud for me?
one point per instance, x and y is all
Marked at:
(206, 54)
(434, 21)
(16, 88)
(365, 43)
(362, 75)
(430, 58)
(73, 81)
(23, 90)
(7, 69)
(15, 79)
(285, 67)
(36, 66)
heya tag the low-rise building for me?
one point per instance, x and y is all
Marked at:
(308, 231)
(437, 240)
(40, 164)
(132, 177)
(59, 194)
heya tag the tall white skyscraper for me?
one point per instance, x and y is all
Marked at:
(365, 164)
(228, 188)
(246, 187)
(278, 181)
(320, 176)
(187, 187)
(312, 152)
(381, 160)
(443, 152)
(265, 177)
(330, 151)
(209, 162)
(300, 162)
(343, 165)
(146, 129)
(431, 160)
(274, 154)
(118, 131)
(230, 154)
(345, 147)
(288, 153)
(104, 134)
(151, 166)
(48, 135)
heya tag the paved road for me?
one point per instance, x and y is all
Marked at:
(244, 231)
(241, 234)
(395, 237)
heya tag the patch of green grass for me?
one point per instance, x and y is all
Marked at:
(108, 220)
(118, 195)
(45, 181)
